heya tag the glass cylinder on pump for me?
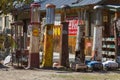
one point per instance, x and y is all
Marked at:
(35, 13)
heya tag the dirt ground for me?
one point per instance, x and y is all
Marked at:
(43, 74)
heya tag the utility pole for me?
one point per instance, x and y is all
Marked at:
(64, 54)
(97, 37)
(33, 60)
(48, 37)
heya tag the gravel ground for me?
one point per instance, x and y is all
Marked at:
(11, 73)
(43, 74)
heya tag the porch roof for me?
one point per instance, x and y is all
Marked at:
(113, 7)
(87, 2)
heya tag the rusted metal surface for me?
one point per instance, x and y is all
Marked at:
(48, 37)
(33, 59)
(88, 46)
(97, 44)
(48, 47)
(64, 54)
(97, 36)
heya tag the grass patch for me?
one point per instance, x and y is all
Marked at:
(87, 76)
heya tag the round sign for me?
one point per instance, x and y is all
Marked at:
(35, 32)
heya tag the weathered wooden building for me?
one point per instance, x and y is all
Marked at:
(80, 12)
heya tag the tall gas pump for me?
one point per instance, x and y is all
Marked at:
(33, 60)
(97, 37)
(64, 53)
(48, 38)
(17, 34)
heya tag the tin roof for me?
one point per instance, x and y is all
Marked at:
(113, 7)
(71, 3)
(58, 3)
(87, 2)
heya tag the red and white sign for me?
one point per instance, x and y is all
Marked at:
(73, 24)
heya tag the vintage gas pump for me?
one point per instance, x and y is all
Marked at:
(33, 60)
(48, 38)
(97, 37)
(17, 34)
(64, 53)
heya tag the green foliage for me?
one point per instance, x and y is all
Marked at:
(9, 43)
(7, 5)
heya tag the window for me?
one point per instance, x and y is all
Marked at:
(7, 21)
(0, 23)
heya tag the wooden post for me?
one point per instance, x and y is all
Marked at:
(64, 53)
(97, 37)
(33, 60)
(48, 38)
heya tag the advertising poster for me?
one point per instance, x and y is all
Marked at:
(73, 24)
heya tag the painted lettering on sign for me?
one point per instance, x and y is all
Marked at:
(73, 24)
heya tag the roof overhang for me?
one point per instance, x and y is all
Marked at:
(113, 7)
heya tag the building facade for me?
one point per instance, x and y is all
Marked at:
(80, 11)
(5, 21)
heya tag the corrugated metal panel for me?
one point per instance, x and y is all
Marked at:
(86, 2)
(114, 7)
(59, 3)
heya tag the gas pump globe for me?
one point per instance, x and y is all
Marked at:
(35, 13)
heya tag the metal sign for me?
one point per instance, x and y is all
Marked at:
(73, 24)
(35, 32)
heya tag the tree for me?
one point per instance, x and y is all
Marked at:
(7, 5)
